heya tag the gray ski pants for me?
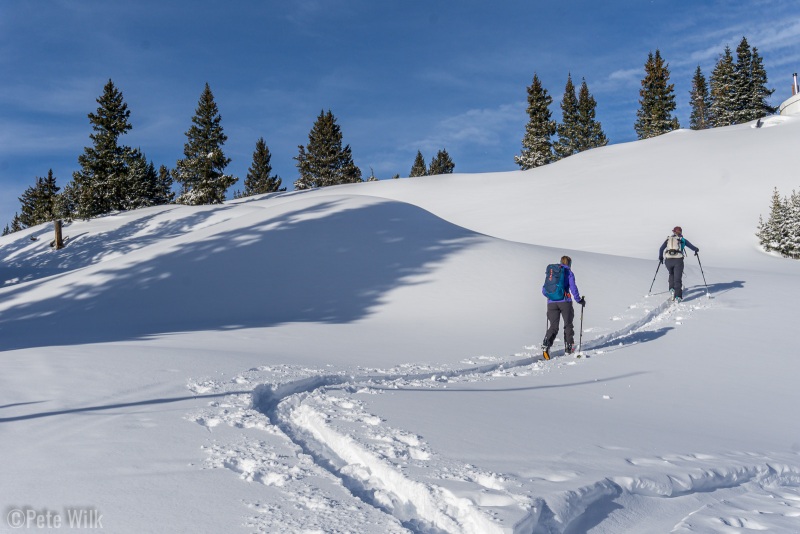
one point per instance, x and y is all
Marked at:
(556, 310)
(675, 268)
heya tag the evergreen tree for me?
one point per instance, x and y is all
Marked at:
(760, 93)
(441, 164)
(99, 186)
(39, 202)
(201, 171)
(324, 162)
(723, 94)
(164, 194)
(258, 180)
(568, 130)
(657, 100)
(700, 118)
(537, 144)
(742, 83)
(418, 168)
(773, 235)
(65, 203)
(794, 224)
(6, 230)
(590, 131)
(142, 183)
(16, 224)
(739, 90)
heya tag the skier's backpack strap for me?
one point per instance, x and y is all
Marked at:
(554, 282)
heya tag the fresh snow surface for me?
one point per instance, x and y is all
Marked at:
(365, 358)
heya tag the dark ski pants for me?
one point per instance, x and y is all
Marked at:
(556, 310)
(675, 269)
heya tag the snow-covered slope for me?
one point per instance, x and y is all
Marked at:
(364, 358)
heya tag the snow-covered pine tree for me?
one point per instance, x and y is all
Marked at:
(791, 242)
(722, 89)
(99, 186)
(763, 232)
(758, 101)
(258, 180)
(418, 168)
(700, 102)
(324, 161)
(65, 207)
(142, 187)
(590, 131)
(537, 144)
(29, 204)
(38, 202)
(773, 235)
(441, 164)
(201, 171)
(657, 100)
(16, 224)
(568, 129)
(164, 194)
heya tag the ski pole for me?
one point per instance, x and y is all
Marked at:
(654, 276)
(580, 335)
(697, 255)
(546, 321)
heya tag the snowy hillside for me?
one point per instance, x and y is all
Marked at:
(364, 358)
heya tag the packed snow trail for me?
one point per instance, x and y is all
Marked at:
(396, 473)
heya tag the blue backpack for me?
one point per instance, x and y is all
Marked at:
(555, 282)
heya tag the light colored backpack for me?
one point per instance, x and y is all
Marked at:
(674, 247)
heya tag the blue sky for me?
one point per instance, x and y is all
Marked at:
(398, 76)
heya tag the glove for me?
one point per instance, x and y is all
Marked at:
(582, 302)
(696, 252)
(660, 261)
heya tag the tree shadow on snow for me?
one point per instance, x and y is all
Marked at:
(20, 404)
(84, 249)
(90, 409)
(325, 264)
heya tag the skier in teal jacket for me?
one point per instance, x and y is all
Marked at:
(673, 249)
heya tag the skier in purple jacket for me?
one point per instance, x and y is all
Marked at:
(562, 308)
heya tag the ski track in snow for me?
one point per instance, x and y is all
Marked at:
(328, 465)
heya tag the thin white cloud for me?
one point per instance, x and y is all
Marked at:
(18, 137)
(68, 97)
(477, 127)
(618, 79)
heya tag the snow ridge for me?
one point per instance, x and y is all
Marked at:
(565, 511)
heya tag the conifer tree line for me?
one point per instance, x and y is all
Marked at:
(546, 141)
(781, 231)
(113, 176)
(441, 163)
(735, 93)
